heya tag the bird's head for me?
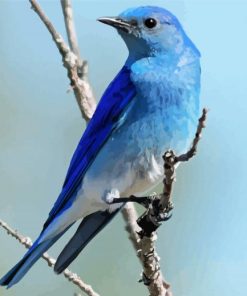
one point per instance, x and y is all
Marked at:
(148, 31)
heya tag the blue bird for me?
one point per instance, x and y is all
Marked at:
(152, 105)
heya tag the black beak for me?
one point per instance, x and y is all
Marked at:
(117, 23)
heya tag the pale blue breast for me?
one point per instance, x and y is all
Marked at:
(167, 105)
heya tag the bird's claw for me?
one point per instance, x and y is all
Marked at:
(167, 213)
(164, 216)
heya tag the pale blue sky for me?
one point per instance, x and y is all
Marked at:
(203, 247)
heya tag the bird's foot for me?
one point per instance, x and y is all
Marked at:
(166, 213)
(152, 202)
(152, 218)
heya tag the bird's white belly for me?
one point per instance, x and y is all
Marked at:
(125, 171)
(125, 182)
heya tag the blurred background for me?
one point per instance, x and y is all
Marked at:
(203, 247)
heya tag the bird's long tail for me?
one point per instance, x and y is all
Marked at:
(88, 228)
(32, 255)
(86, 231)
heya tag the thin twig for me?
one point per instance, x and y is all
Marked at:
(201, 124)
(130, 216)
(170, 161)
(81, 87)
(82, 66)
(149, 222)
(152, 276)
(72, 277)
(70, 26)
(157, 211)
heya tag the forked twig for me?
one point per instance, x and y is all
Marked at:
(82, 66)
(81, 87)
(171, 160)
(159, 210)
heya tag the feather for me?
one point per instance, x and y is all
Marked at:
(32, 255)
(105, 119)
(86, 231)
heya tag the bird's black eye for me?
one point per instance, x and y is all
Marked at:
(150, 23)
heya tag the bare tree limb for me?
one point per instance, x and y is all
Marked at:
(158, 210)
(130, 216)
(201, 124)
(70, 26)
(170, 161)
(72, 277)
(72, 38)
(152, 276)
(81, 87)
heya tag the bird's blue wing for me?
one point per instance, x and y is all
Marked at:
(117, 96)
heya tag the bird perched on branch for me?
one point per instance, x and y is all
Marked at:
(151, 106)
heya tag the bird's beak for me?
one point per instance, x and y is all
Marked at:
(117, 23)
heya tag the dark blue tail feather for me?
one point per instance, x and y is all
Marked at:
(86, 231)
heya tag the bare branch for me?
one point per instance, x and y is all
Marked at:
(152, 276)
(158, 210)
(72, 277)
(170, 161)
(72, 38)
(130, 216)
(81, 87)
(201, 124)
(70, 26)
(145, 251)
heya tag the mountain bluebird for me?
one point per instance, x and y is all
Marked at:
(152, 105)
